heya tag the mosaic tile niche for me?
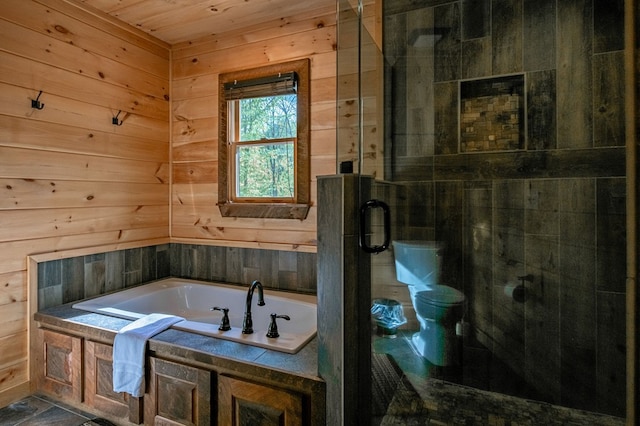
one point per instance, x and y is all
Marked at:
(492, 114)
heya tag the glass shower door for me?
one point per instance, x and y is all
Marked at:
(384, 205)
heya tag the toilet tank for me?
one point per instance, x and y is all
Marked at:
(417, 262)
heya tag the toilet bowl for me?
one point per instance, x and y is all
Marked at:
(438, 307)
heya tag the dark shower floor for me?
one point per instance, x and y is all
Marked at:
(456, 396)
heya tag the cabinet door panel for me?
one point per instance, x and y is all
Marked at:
(98, 385)
(244, 403)
(61, 373)
(177, 395)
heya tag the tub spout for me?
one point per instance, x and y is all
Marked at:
(247, 324)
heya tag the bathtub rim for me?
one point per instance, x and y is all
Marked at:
(286, 343)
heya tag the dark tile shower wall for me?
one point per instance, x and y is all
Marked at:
(554, 209)
(68, 280)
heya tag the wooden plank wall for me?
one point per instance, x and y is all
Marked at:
(69, 178)
(195, 70)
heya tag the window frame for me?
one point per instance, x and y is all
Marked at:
(270, 208)
(233, 169)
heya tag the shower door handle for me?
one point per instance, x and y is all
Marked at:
(370, 205)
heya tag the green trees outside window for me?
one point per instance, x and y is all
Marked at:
(265, 152)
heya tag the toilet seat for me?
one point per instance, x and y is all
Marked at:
(440, 295)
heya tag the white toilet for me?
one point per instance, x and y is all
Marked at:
(438, 307)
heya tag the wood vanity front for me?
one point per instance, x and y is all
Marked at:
(191, 379)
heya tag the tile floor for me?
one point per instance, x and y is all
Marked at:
(38, 411)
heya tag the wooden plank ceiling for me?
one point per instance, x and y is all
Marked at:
(177, 21)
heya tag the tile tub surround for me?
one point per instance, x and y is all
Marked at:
(76, 278)
(280, 270)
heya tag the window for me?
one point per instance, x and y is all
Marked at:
(263, 146)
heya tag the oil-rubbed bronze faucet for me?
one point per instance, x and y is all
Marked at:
(224, 324)
(273, 326)
(247, 324)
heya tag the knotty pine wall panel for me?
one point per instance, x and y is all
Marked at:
(78, 27)
(65, 56)
(33, 224)
(69, 178)
(23, 132)
(254, 54)
(41, 194)
(308, 20)
(195, 70)
(62, 165)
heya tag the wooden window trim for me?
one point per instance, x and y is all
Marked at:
(278, 210)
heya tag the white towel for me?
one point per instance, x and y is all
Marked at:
(129, 349)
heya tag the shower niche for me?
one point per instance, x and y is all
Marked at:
(492, 114)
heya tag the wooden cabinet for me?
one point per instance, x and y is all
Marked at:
(60, 372)
(79, 371)
(177, 395)
(98, 385)
(242, 403)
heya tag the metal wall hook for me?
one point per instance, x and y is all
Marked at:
(35, 103)
(115, 121)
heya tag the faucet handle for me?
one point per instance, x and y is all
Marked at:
(273, 327)
(224, 324)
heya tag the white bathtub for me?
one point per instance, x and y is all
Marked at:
(193, 300)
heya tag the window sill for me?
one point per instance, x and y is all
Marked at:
(264, 210)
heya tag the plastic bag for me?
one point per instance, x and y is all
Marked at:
(388, 313)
